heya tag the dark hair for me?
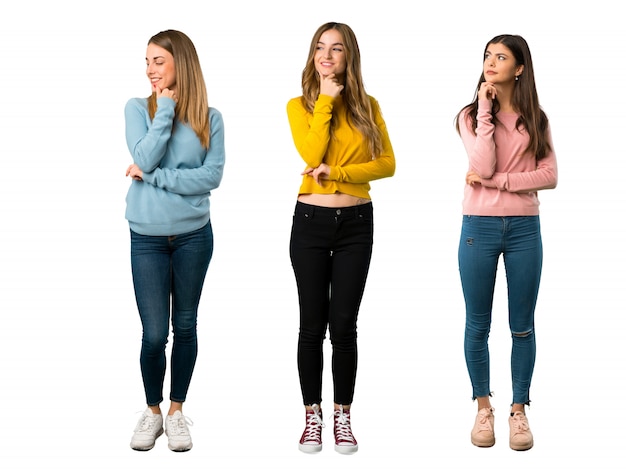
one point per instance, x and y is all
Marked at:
(525, 99)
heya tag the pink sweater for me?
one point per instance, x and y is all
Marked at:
(510, 176)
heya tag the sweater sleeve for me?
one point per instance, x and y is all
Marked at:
(480, 147)
(311, 134)
(195, 181)
(544, 176)
(382, 166)
(147, 142)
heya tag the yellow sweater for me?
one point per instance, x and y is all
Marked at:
(351, 165)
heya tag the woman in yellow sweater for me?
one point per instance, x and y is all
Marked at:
(340, 134)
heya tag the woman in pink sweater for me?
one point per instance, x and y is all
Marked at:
(511, 157)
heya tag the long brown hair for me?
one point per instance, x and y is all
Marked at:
(192, 107)
(357, 102)
(525, 99)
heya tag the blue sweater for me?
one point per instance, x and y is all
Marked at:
(178, 174)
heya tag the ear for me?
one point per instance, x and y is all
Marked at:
(519, 70)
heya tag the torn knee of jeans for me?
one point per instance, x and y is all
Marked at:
(522, 334)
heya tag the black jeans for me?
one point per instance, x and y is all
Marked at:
(330, 252)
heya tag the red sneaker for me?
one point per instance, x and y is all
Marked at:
(344, 439)
(311, 439)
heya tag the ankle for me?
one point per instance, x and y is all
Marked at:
(483, 402)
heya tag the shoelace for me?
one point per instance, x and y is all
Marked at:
(145, 423)
(520, 422)
(483, 419)
(178, 426)
(343, 431)
(314, 425)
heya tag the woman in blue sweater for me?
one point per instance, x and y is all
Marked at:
(177, 146)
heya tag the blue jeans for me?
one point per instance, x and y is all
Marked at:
(330, 250)
(483, 240)
(169, 268)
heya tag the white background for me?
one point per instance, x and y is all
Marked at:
(70, 386)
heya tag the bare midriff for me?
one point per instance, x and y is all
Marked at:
(332, 200)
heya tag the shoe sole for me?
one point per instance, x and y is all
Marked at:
(310, 448)
(521, 447)
(483, 444)
(141, 448)
(146, 448)
(180, 450)
(346, 449)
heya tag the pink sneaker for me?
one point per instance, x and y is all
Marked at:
(344, 439)
(311, 440)
(521, 437)
(482, 433)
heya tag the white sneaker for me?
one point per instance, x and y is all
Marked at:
(177, 432)
(148, 429)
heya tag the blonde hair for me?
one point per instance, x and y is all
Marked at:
(192, 107)
(357, 101)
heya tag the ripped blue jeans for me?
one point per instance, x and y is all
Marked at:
(483, 240)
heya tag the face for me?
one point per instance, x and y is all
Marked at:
(499, 65)
(330, 55)
(160, 68)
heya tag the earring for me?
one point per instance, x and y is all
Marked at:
(517, 78)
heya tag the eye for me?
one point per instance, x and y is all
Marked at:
(501, 58)
(339, 50)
